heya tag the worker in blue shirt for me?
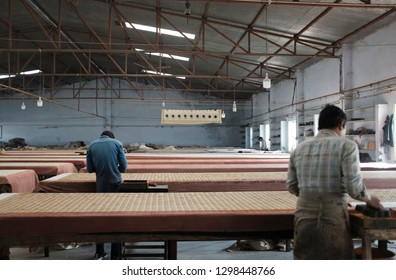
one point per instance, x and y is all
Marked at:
(106, 157)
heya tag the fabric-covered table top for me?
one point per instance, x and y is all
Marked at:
(41, 168)
(177, 182)
(203, 181)
(78, 162)
(19, 180)
(203, 167)
(77, 213)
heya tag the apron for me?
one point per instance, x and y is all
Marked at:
(321, 227)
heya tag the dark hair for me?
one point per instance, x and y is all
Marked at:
(108, 133)
(331, 117)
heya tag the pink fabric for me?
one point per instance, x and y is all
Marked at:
(78, 162)
(139, 168)
(19, 180)
(207, 161)
(52, 185)
(380, 183)
(41, 168)
(175, 155)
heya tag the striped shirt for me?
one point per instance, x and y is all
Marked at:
(326, 163)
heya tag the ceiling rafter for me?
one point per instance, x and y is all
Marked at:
(70, 43)
(79, 44)
(311, 23)
(99, 40)
(341, 40)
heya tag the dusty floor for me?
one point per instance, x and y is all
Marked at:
(197, 250)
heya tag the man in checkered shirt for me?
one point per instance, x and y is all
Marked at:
(323, 171)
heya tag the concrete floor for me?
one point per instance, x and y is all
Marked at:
(196, 250)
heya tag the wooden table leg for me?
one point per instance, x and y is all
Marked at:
(366, 248)
(172, 250)
(383, 244)
(4, 253)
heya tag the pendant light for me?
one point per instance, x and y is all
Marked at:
(41, 84)
(222, 110)
(23, 106)
(234, 107)
(266, 82)
(39, 102)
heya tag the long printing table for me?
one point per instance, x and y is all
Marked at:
(47, 218)
(18, 181)
(194, 167)
(65, 152)
(42, 169)
(375, 228)
(207, 155)
(78, 162)
(177, 182)
(207, 161)
(203, 182)
(232, 167)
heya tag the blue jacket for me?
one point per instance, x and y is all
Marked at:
(107, 159)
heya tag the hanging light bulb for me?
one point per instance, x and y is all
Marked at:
(266, 81)
(187, 11)
(234, 107)
(23, 106)
(163, 103)
(39, 102)
(223, 115)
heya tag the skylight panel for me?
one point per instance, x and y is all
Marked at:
(178, 57)
(160, 30)
(162, 74)
(30, 72)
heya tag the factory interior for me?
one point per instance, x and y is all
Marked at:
(208, 99)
